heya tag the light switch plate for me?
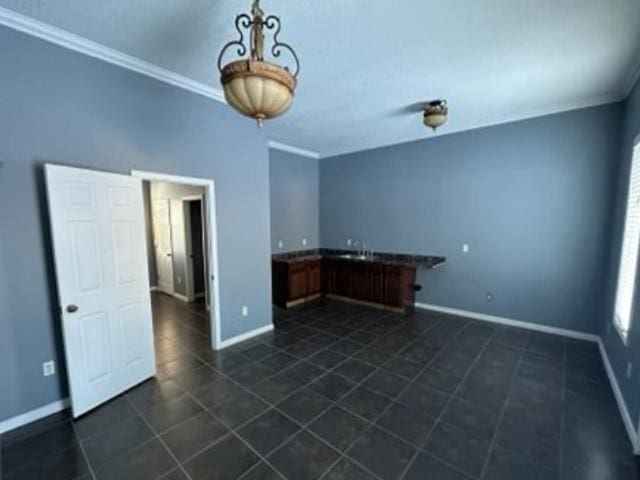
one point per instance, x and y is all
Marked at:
(280, 244)
(245, 311)
(48, 368)
(304, 242)
(465, 248)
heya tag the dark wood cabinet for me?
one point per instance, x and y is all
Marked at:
(393, 286)
(360, 277)
(374, 283)
(298, 277)
(377, 275)
(341, 278)
(314, 278)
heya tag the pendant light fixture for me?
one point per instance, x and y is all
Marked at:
(254, 87)
(435, 113)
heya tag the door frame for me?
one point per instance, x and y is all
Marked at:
(188, 240)
(213, 280)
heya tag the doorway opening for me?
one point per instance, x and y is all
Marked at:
(182, 260)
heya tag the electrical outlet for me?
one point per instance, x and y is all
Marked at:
(304, 242)
(489, 297)
(280, 244)
(48, 368)
(465, 248)
(245, 311)
(349, 242)
(179, 280)
(629, 369)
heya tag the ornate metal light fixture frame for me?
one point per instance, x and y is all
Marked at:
(254, 87)
(435, 113)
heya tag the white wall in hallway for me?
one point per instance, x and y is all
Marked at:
(175, 192)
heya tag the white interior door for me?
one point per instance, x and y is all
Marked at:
(161, 222)
(97, 224)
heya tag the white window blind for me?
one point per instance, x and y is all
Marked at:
(629, 255)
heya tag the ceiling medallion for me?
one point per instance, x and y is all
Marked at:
(435, 113)
(256, 88)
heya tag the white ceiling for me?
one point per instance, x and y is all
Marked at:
(365, 62)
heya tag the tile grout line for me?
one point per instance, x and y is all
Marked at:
(494, 437)
(394, 400)
(333, 403)
(373, 423)
(446, 405)
(306, 359)
(378, 368)
(155, 434)
(84, 453)
(247, 389)
(234, 432)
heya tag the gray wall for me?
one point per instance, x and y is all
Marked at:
(63, 107)
(618, 353)
(531, 199)
(294, 201)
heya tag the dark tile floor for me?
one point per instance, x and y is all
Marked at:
(344, 392)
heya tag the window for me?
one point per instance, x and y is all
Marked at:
(629, 254)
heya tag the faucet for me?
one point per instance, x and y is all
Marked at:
(362, 250)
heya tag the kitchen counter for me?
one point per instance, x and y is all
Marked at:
(401, 259)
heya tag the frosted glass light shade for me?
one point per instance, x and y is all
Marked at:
(434, 120)
(258, 89)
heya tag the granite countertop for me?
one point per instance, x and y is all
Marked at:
(418, 261)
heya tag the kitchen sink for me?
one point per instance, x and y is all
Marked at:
(350, 256)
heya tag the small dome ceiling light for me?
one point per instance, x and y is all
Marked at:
(435, 113)
(254, 87)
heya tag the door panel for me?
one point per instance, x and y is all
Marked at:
(124, 251)
(96, 352)
(161, 223)
(86, 256)
(97, 225)
(132, 325)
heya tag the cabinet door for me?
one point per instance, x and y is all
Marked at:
(313, 278)
(297, 281)
(360, 282)
(377, 283)
(342, 278)
(393, 290)
(327, 275)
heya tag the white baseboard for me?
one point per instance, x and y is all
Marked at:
(180, 297)
(33, 415)
(510, 322)
(245, 336)
(622, 405)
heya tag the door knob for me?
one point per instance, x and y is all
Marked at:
(72, 308)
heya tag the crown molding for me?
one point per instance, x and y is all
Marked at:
(542, 112)
(295, 150)
(69, 40)
(79, 44)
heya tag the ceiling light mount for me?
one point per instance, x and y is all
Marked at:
(435, 113)
(254, 87)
